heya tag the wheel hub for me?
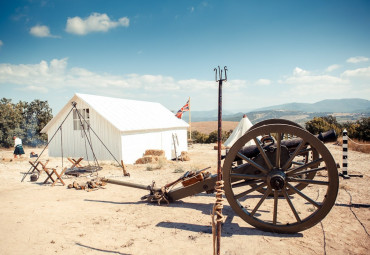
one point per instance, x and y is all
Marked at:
(276, 180)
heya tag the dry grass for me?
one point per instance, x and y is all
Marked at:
(207, 127)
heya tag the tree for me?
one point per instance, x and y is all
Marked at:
(199, 137)
(363, 129)
(323, 124)
(24, 120)
(10, 120)
(35, 117)
(212, 138)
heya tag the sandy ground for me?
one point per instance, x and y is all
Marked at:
(36, 218)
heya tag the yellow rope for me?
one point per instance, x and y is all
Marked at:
(217, 210)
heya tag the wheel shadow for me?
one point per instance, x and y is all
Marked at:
(228, 229)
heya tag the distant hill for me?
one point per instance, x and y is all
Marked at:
(197, 116)
(343, 109)
(351, 105)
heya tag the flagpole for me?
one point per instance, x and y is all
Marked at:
(190, 118)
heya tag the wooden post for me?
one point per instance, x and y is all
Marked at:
(345, 155)
(217, 208)
(189, 118)
(174, 145)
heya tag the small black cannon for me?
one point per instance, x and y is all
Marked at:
(286, 182)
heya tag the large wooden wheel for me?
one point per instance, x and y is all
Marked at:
(301, 159)
(284, 206)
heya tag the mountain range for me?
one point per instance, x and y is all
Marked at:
(343, 109)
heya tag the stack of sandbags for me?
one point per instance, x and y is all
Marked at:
(151, 156)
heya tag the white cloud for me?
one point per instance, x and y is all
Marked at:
(35, 89)
(41, 31)
(1, 43)
(358, 73)
(307, 86)
(304, 77)
(55, 76)
(332, 68)
(300, 72)
(96, 22)
(359, 59)
(263, 82)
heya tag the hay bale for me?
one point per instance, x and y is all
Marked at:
(222, 147)
(150, 159)
(144, 160)
(185, 156)
(159, 153)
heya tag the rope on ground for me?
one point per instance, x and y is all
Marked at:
(350, 207)
(361, 144)
(217, 210)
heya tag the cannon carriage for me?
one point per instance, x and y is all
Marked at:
(286, 182)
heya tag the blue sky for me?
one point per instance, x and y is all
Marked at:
(165, 51)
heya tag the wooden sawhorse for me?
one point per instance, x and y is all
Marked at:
(54, 172)
(35, 166)
(75, 163)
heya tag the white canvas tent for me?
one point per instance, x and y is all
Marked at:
(239, 131)
(126, 127)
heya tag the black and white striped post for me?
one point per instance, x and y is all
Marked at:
(345, 155)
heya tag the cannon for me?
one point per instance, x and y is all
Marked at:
(286, 182)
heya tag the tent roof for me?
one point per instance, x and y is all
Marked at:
(239, 131)
(127, 115)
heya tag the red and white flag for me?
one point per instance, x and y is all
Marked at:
(183, 109)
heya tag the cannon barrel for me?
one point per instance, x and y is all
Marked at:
(326, 137)
(132, 185)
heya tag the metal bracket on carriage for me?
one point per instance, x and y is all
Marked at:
(156, 195)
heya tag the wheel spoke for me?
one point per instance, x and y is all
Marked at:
(261, 201)
(295, 153)
(248, 176)
(262, 185)
(308, 181)
(278, 150)
(291, 206)
(310, 171)
(276, 196)
(298, 169)
(253, 163)
(262, 151)
(304, 196)
(245, 183)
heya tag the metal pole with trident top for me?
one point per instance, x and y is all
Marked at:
(217, 208)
